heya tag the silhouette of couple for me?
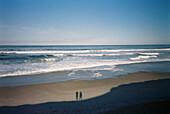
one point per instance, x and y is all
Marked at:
(79, 95)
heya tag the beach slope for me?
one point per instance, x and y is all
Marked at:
(99, 95)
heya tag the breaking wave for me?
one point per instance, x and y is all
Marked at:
(99, 59)
(142, 57)
(82, 51)
(12, 56)
(149, 53)
(78, 67)
(44, 60)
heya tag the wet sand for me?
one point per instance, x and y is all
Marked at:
(65, 91)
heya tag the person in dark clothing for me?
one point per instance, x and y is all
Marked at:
(81, 95)
(77, 95)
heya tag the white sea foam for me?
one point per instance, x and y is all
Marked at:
(120, 50)
(68, 65)
(114, 54)
(149, 53)
(72, 73)
(82, 51)
(43, 60)
(96, 75)
(44, 52)
(142, 57)
(7, 52)
(94, 55)
(79, 55)
(91, 55)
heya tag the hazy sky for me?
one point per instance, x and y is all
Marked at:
(70, 22)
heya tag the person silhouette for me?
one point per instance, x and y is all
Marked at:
(77, 95)
(81, 95)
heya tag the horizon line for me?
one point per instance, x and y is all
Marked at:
(75, 44)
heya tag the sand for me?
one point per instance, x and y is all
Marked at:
(157, 107)
(65, 91)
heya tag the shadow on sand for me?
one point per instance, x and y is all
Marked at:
(118, 97)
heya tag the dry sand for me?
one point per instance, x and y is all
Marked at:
(65, 91)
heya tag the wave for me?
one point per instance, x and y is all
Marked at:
(122, 50)
(148, 53)
(75, 55)
(142, 57)
(44, 60)
(82, 66)
(6, 52)
(45, 55)
(113, 54)
(85, 55)
(16, 56)
(82, 51)
(90, 55)
(44, 52)
(101, 54)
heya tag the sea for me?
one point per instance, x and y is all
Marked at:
(35, 64)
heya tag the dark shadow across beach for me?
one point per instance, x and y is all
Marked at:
(125, 97)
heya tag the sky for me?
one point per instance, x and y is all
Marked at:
(84, 22)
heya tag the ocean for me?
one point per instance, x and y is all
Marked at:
(24, 65)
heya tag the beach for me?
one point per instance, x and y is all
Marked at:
(64, 92)
(84, 57)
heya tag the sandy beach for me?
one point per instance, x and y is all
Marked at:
(136, 92)
(84, 57)
(65, 91)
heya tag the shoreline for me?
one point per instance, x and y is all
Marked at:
(144, 97)
(65, 91)
(62, 76)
